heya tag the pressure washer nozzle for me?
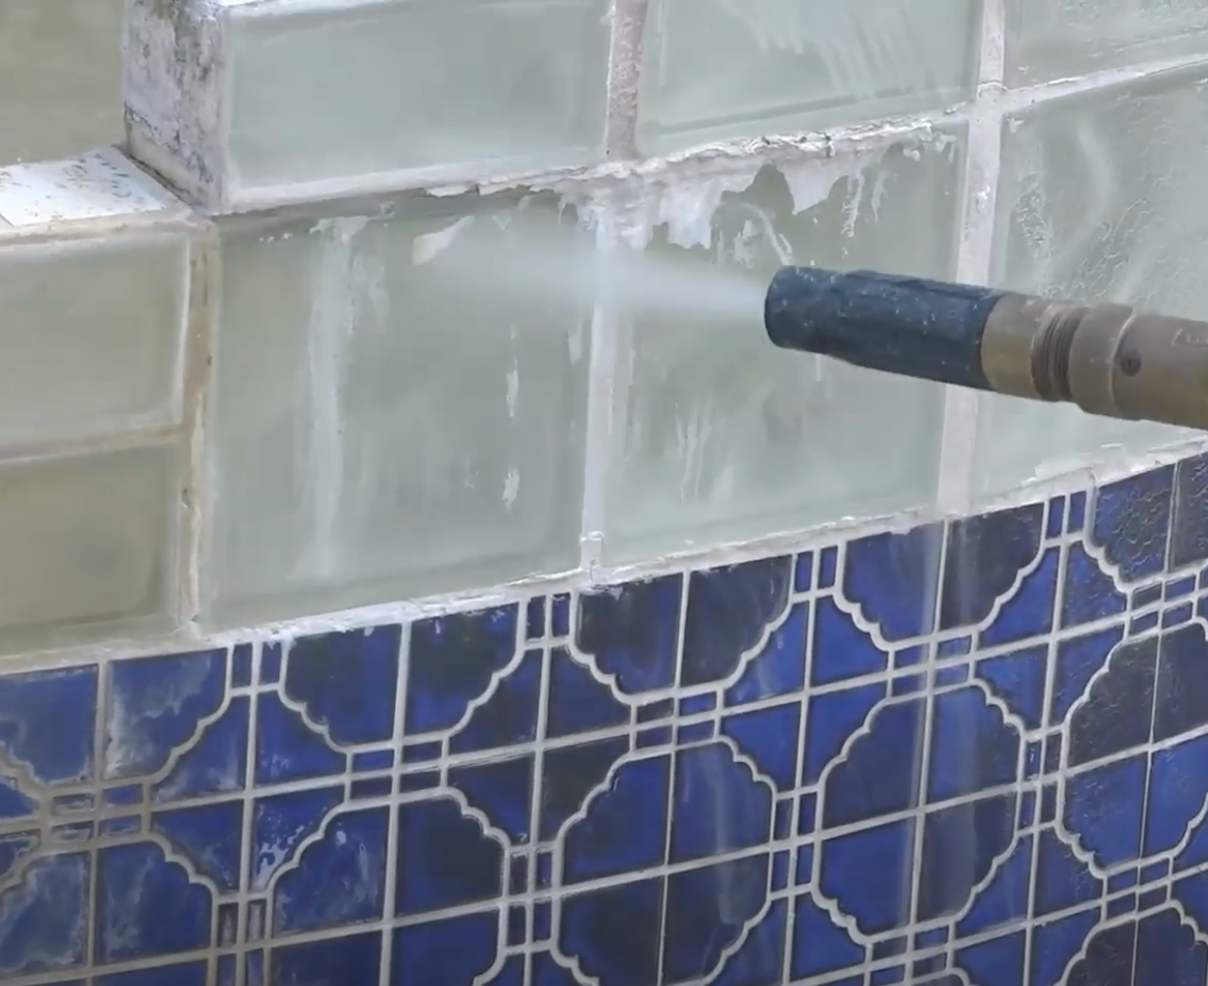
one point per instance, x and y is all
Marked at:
(1108, 359)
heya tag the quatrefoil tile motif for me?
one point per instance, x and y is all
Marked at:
(972, 753)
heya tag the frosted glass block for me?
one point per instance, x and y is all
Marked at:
(86, 541)
(1058, 39)
(720, 437)
(249, 103)
(392, 418)
(60, 77)
(716, 69)
(95, 268)
(1102, 197)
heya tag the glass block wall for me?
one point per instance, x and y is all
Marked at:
(416, 567)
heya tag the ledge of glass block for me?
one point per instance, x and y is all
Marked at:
(88, 545)
(96, 267)
(720, 69)
(396, 412)
(1049, 40)
(244, 104)
(1102, 197)
(718, 437)
(60, 77)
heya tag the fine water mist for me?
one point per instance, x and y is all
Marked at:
(562, 268)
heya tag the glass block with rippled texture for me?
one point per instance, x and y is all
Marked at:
(720, 437)
(60, 77)
(1059, 39)
(394, 415)
(718, 69)
(333, 97)
(1102, 198)
(97, 267)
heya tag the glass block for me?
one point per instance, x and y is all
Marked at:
(1058, 39)
(717, 435)
(1102, 198)
(60, 77)
(716, 69)
(333, 97)
(95, 266)
(395, 413)
(87, 541)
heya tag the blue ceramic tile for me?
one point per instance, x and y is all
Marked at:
(748, 775)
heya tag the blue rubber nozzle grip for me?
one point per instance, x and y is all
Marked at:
(903, 325)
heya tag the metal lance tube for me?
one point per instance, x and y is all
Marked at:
(1108, 359)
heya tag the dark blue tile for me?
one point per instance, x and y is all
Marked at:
(347, 681)
(339, 879)
(1192, 893)
(1168, 952)
(146, 905)
(831, 719)
(807, 807)
(1178, 588)
(728, 612)
(1028, 611)
(1019, 680)
(887, 948)
(759, 960)
(445, 859)
(534, 617)
(542, 922)
(841, 650)
(1077, 512)
(518, 875)
(803, 572)
(1121, 881)
(1189, 523)
(954, 646)
(217, 761)
(47, 722)
(544, 870)
(1078, 660)
(972, 747)
(1108, 960)
(1155, 871)
(1181, 696)
(985, 558)
(694, 732)
(827, 567)
(632, 631)
(804, 870)
(517, 925)
(886, 977)
(613, 933)
(422, 781)
(281, 823)
(1142, 624)
(226, 970)
(560, 615)
(893, 578)
(780, 871)
(254, 969)
(1004, 900)
(624, 828)
(1104, 807)
(653, 711)
(869, 873)
(1123, 904)
(1118, 712)
(352, 959)
(287, 749)
(156, 704)
(1177, 616)
(1132, 522)
(977, 833)
(662, 736)
(45, 916)
(695, 704)
(1089, 593)
(372, 760)
(782, 819)
(509, 715)
(228, 925)
(769, 737)
(270, 662)
(256, 920)
(241, 665)
(707, 909)
(779, 667)
(879, 776)
(1177, 789)
(913, 683)
(998, 961)
(719, 806)
(452, 661)
(1055, 525)
(577, 701)
(1056, 943)
(1062, 879)
(209, 836)
(909, 657)
(951, 675)
(1146, 596)
(569, 775)
(502, 790)
(819, 946)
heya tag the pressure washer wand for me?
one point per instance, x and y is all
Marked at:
(1108, 359)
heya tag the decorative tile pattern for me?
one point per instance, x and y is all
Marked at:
(973, 753)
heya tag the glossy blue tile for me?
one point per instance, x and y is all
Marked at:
(745, 775)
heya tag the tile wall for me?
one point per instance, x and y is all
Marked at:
(417, 569)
